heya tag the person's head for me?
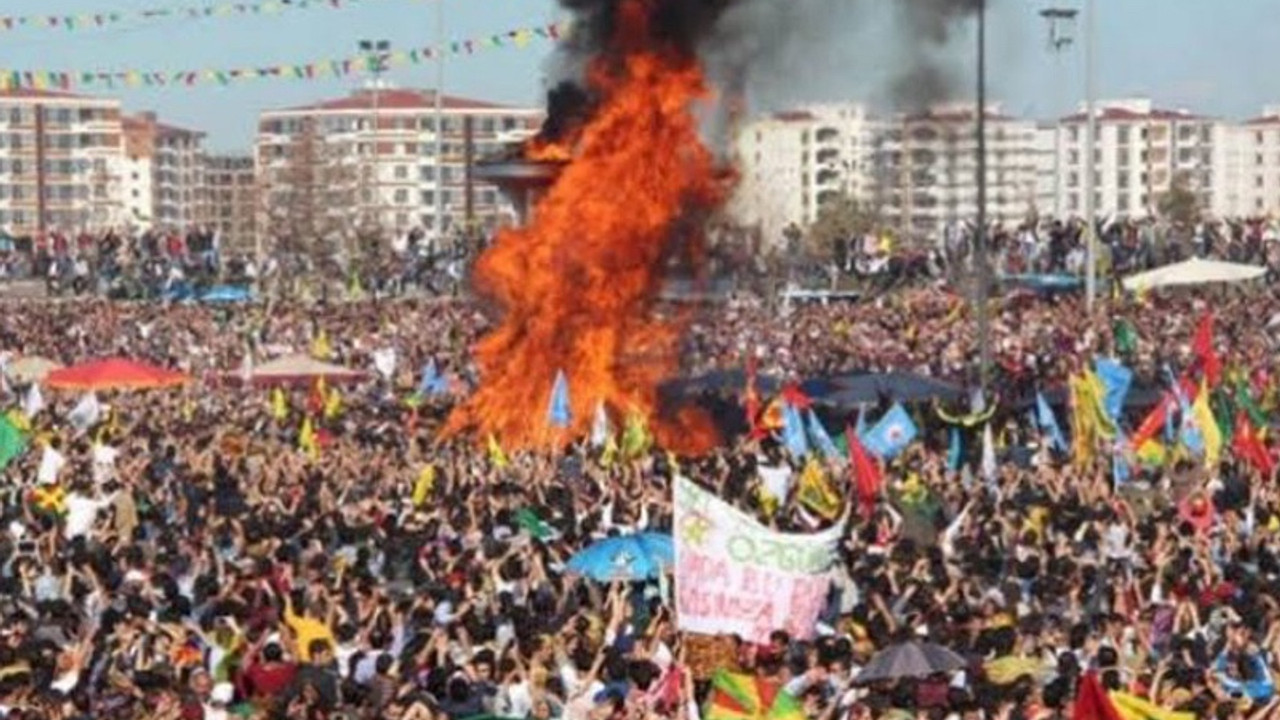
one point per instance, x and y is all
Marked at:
(320, 651)
(273, 653)
(201, 684)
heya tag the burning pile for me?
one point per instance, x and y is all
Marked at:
(578, 285)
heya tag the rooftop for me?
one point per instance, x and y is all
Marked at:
(1123, 114)
(28, 93)
(148, 120)
(396, 99)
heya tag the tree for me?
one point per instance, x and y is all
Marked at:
(840, 218)
(1180, 204)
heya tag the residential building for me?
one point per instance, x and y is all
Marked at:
(930, 160)
(791, 163)
(231, 189)
(60, 162)
(1140, 151)
(165, 180)
(1253, 166)
(367, 163)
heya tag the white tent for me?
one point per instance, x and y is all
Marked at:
(1195, 271)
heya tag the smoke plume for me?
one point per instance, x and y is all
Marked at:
(904, 53)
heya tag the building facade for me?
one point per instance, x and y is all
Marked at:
(165, 186)
(60, 162)
(376, 150)
(231, 188)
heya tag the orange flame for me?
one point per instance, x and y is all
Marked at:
(579, 284)
(544, 151)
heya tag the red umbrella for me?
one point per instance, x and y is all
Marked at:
(113, 374)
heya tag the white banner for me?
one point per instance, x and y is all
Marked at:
(735, 576)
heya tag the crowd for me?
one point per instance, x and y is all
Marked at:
(199, 564)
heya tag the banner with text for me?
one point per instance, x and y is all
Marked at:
(735, 576)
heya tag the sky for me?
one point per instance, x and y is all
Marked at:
(1208, 56)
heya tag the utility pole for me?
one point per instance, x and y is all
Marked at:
(1090, 166)
(981, 269)
(439, 112)
(1061, 22)
(378, 55)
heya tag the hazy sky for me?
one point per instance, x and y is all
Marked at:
(1214, 56)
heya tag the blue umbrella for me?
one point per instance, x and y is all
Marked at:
(226, 293)
(626, 557)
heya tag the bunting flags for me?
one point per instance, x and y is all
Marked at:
(218, 11)
(90, 79)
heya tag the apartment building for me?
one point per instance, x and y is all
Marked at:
(1140, 151)
(164, 184)
(369, 160)
(232, 192)
(60, 162)
(1252, 166)
(929, 162)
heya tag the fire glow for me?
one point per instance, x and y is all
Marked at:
(578, 285)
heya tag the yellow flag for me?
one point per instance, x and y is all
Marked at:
(1152, 453)
(332, 404)
(497, 458)
(816, 493)
(19, 420)
(1208, 428)
(279, 407)
(320, 348)
(1132, 707)
(307, 440)
(610, 455)
(636, 440)
(423, 486)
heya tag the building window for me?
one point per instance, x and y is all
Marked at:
(401, 172)
(1257, 138)
(1073, 157)
(428, 197)
(402, 196)
(1257, 181)
(1073, 179)
(1122, 134)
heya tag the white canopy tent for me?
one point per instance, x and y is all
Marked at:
(1195, 271)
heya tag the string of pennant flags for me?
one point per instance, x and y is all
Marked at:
(340, 67)
(81, 21)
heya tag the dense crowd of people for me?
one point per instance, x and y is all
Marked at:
(198, 563)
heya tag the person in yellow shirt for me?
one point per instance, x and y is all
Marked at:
(307, 630)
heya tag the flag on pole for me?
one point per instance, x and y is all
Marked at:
(1208, 426)
(497, 457)
(12, 441)
(821, 439)
(279, 406)
(307, 441)
(1202, 346)
(558, 414)
(793, 433)
(86, 413)
(600, 426)
(892, 434)
(33, 402)
(1048, 423)
(866, 474)
(955, 448)
(1116, 380)
(320, 348)
(432, 383)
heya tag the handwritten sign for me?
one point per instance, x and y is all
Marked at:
(734, 576)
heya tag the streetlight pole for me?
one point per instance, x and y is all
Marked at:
(1090, 165)
(980, 237)
(439, 113)
(377, 53)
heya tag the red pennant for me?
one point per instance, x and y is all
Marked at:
(1202, 345)
(867, 479)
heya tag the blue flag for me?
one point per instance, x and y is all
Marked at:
(1049, 424)
(793, 435)
(1116, 380)
(822, 440)
(892, 434)
(432, 383)
(1120, 471)
(955, 449)
(558, 413)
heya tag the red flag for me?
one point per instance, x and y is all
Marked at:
(1202, 346)
(866, 473)
(796, 398)
(1249, 447)
(1092, 702)
(1153, 422)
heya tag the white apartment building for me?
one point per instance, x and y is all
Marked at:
(1253, 166)
(1139, 152)
(60, 162)
(930, 164)
(164, 175)
(919, 172)
(382, 142)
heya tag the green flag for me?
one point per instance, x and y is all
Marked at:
(1126, 337)
(1244, 401)
(12, 442)
(529, 521)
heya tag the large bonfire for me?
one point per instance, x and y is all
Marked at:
(578, 285)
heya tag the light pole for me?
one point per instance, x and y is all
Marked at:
(1090, 165)
(1061, 22)
(439, 112)
(377, 55)
(980, 236)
